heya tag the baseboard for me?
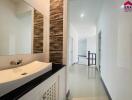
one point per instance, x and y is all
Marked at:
(106, 90)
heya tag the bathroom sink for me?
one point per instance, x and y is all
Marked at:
(11, 79)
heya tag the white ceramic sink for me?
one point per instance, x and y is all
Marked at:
(10, 79)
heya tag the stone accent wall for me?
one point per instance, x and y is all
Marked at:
(38, 32)
(56, 31)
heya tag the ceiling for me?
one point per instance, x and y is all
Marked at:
(83, 15)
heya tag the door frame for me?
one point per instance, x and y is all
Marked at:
(99, 49)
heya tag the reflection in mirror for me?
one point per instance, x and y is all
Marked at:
(38, 32)
(17, 28)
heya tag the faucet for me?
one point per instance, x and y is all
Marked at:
(18, 62)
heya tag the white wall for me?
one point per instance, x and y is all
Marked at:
(65, 32)
(82, 47)
(22, 7)
(74, 35)
(91, 44)
(116, 58)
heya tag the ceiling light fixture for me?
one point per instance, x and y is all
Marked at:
(82, 15)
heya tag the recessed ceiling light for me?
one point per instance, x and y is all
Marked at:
(82, 15)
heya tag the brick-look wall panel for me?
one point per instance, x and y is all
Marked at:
(56, 31)
(38, 32)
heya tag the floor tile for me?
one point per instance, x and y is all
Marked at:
(85, 84)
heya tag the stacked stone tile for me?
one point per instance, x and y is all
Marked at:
(56, 31)
(38, 32)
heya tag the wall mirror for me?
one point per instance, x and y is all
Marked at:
(21, 28)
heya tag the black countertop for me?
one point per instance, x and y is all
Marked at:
(19, 92)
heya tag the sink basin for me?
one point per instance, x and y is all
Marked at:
(11, 79)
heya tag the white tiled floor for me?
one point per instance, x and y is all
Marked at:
(84, 86)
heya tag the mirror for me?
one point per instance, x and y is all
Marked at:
(21, 28)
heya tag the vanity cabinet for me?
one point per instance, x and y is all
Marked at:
(54, 88)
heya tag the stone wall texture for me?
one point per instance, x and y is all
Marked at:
(38, 32)
(56, 31)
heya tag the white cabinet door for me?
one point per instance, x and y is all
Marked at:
(48, 90)
(54, 88)
(62, 84)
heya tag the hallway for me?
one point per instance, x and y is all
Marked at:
(84, 86)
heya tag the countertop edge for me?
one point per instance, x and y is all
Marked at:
(22, 90)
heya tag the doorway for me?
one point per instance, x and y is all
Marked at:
(82, 51)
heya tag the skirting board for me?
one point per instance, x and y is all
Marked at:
(106, 90)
